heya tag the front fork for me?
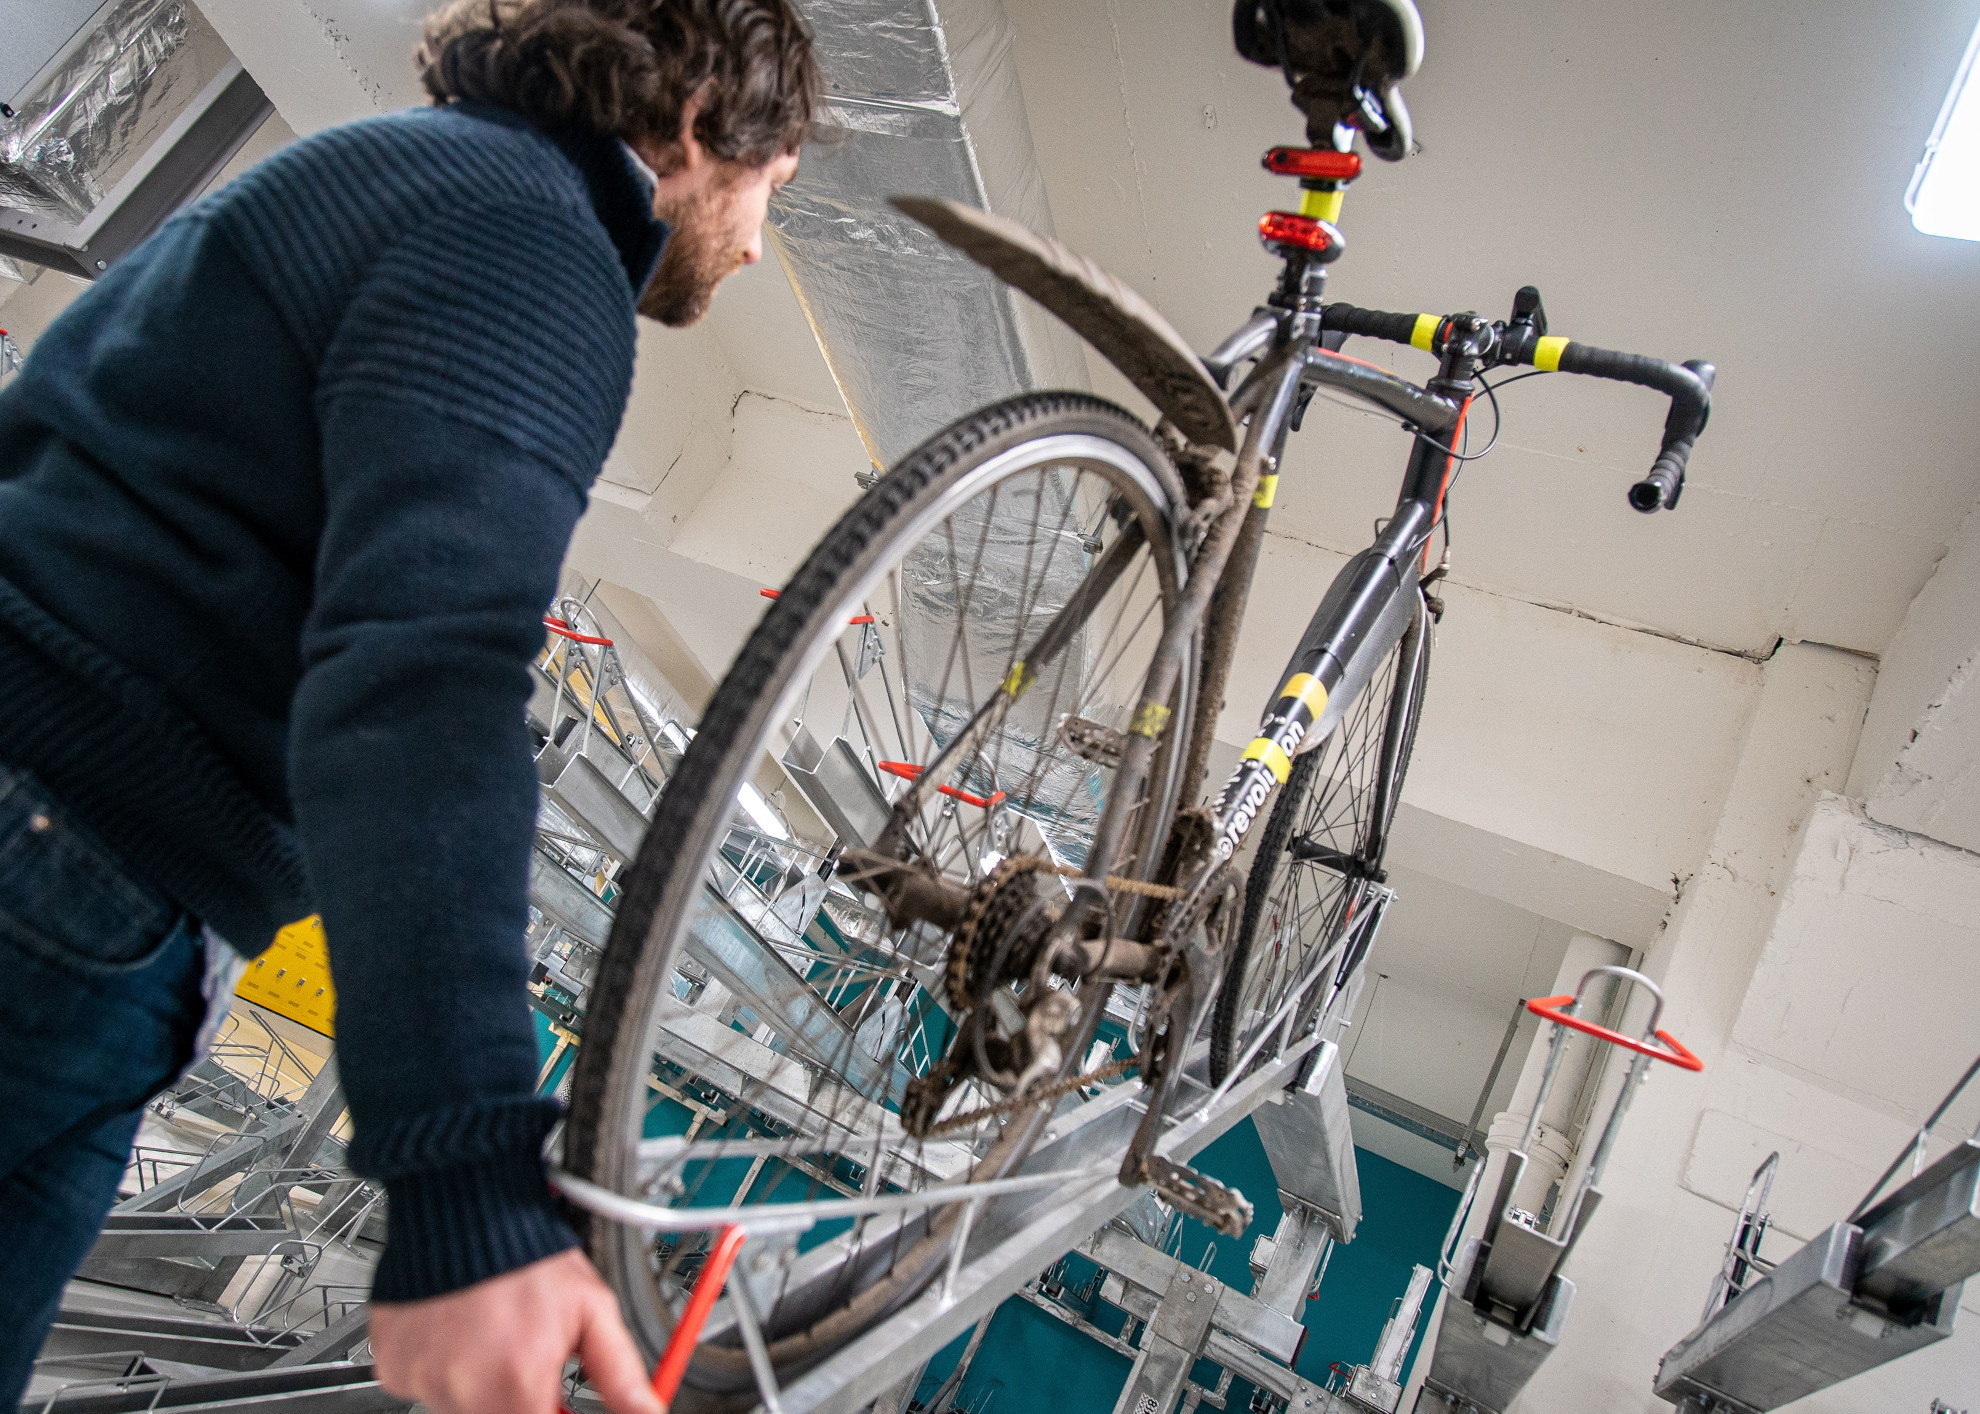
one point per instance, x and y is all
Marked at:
(1365, 613)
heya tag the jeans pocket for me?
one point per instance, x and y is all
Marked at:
(64, 896)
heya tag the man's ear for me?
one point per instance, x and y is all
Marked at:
(684, 157)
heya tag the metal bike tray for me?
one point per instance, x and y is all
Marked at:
(1507, 1300)
(839, 787)
(593, 803)
(1925, 1237)
(1478, 1365)
(1795, 1331)
(1519, 1260)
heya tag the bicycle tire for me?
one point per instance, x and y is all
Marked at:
(612, 1065)
(1370, 844)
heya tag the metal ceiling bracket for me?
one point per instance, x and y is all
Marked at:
(186, 156)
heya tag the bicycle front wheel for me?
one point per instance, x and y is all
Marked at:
(1320, 855)
(758, 1019)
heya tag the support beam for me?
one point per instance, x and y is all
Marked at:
(1154, 1274)
(1310, 1141)
(237, 1157)
(1172, 1344)
(1013, 1243)
(262, 1190)
(1300, 1245)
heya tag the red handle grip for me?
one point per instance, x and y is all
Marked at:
(707, 1290)
(856, 619)
(562, 629)
(907, 771)
(1548, 1009)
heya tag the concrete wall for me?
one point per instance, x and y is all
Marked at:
(1824, 967)
(1916, 765)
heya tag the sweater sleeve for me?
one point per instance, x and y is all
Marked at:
(467, 400)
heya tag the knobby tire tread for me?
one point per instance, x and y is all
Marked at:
(617, 993)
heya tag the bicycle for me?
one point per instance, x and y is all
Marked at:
(1017, 866)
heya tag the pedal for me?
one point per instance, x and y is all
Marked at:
(1199, 1195)
(1102, 745)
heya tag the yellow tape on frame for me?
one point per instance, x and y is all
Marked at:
(292, 978)
(1272, 754)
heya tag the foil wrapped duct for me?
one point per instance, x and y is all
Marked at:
(89, 119)
(923, 98)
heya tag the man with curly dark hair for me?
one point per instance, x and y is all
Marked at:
(283, 499)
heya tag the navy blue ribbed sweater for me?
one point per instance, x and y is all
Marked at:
(283, 498)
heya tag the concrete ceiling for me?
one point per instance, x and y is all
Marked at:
(1691, 180)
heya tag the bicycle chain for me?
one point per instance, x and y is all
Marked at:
(998, 1109)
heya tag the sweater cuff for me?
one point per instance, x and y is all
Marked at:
(467, 1193)
(452, 1227)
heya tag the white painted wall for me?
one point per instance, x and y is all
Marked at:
(1824, 967)
(1564, 765)
(1919, 764)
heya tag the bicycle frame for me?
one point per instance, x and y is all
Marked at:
(1366, 610)
(1365, 613)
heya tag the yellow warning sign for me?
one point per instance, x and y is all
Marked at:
(292, 978)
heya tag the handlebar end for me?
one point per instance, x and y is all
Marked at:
(1659, 491)
(1647, 496)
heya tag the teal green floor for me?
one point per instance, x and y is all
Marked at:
(1030, 1361)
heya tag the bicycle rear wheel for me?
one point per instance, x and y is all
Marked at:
(778, 1012)
(1320, 855)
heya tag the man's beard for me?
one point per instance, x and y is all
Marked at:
(697, 259)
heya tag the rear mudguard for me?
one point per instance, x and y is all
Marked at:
(1099, 308)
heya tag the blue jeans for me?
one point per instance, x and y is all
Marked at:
(99, 1006)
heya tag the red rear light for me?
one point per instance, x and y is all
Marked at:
(1285, 228)
(1313, 162)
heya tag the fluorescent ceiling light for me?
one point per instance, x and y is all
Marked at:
(758, 809)
(1944, 198)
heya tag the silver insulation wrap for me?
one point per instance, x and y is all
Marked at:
(926, 103)
(923, 98)
(90, 118)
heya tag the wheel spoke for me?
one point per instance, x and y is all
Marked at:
(799, 1010)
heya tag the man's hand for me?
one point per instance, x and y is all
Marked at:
(499, 1346)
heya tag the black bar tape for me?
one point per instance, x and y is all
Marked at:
(1689, 394)
(1370, 323)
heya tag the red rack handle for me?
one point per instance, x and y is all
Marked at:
(907, 771)
(855, 619)
(707, 1290)
(562, 629)
(1549, 1009)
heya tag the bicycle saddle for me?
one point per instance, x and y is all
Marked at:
(1345, 60)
